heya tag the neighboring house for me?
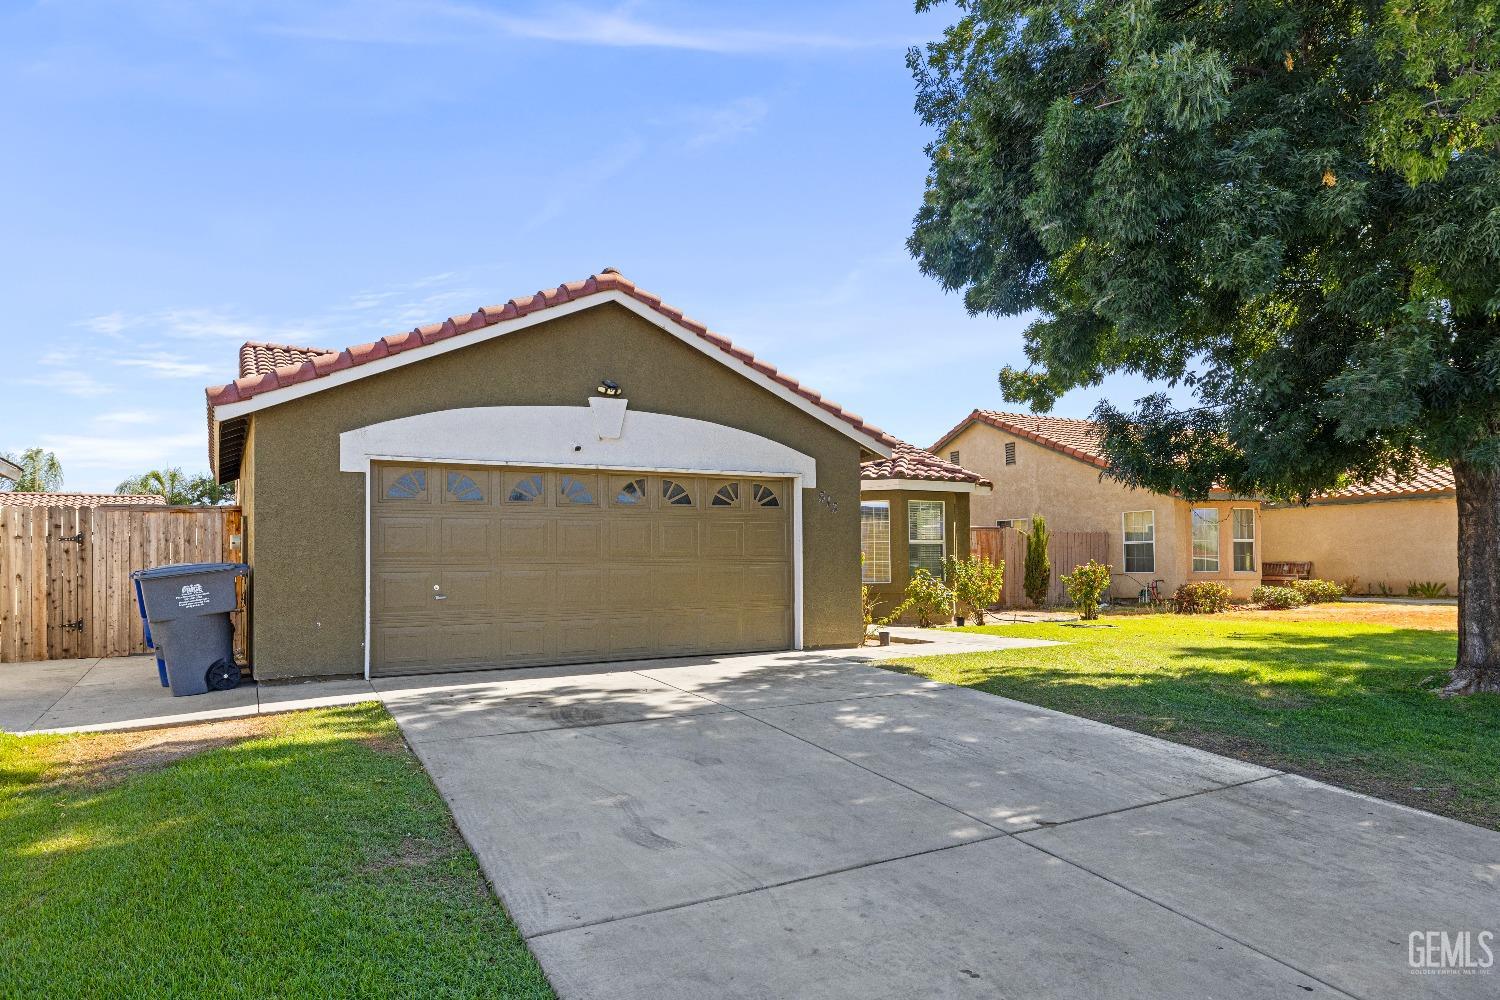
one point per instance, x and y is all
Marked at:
(582, 474)
(913, 512)
(1054, 466)
(14, 499)
(1389, 531)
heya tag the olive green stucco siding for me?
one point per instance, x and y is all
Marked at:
(309, 518)
(888, 596)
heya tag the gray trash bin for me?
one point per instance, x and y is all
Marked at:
(188, 607)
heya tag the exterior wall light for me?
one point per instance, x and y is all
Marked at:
(609, 387)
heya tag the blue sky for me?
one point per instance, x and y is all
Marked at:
(183, 175)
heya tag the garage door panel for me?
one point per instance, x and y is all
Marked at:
(567, 573)
(408, 537)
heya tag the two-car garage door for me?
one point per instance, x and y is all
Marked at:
(475, 567)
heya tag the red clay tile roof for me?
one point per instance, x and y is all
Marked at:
(1081, 439)
(1426, 480)
(12, 498)
(303, 366)
(262, 359)
(910, 462)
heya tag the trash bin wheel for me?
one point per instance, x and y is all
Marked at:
(223, 676)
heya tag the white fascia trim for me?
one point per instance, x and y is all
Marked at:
(567, 437)
(275, 397)
(881, 485)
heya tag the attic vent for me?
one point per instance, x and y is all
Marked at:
(953, 457)
(1010, 453)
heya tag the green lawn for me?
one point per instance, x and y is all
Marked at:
(314, 859)
(1351, 704)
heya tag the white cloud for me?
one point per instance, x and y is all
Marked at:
(109, 324)
(400, 22)
(72, 383)
(167, 366)
(124, 451)
(131, 417)
(579, 184)
(716, 125)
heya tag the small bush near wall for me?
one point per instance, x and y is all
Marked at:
(1086, 585)
(1318, 591)
(928, 599)
(1206, 598)
(1277, 598)
(977, 584)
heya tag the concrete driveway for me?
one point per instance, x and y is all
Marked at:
(809, 826)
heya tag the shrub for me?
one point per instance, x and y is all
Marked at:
(1206, 598)
(1038, 578)
(928, 598)
(1428, 590)
(1085, 586)
(1277, 598)
(977, 583)
(1319, 591)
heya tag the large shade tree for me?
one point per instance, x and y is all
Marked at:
(1289, 212)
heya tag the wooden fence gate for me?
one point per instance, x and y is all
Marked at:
(1067, 549)
(65, 588)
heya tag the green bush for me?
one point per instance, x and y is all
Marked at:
(1206, 598)
(1319, 591)
(1038, 577)
(928, 598)
(977, 584)
(1428, 589)
(1277, 598)
(1086, 585)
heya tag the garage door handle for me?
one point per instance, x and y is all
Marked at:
(439, 597)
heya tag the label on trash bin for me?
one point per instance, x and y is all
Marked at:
(193, 596)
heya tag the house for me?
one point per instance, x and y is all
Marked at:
(1054, 466)
(577, 475)
(914, 511)
(1382, 536)
(1390, 531)
(14, 499)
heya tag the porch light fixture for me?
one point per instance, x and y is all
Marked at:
(609, 387)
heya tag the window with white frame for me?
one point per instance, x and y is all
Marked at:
(1140, 540)
(1205, 540)
(924, 536)
(875, 541)
(1244, 539)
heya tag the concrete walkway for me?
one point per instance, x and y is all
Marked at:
(806, 825)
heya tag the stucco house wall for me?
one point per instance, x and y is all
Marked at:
(1073, 496)
(307, 518)
(956, 518)
(1395, 542)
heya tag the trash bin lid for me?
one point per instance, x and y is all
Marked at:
(189, 569)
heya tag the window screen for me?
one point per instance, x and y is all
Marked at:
(875, 541)
(1205, 540)
(924, 527)
(1140, 541)
(1244, 539)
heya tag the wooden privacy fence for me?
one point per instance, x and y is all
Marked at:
(65, 588)
(1067, 549)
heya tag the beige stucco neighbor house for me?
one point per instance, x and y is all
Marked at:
(582, 474)
(1387, 531)
(914, 510)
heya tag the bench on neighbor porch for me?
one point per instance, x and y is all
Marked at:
(1282, 573)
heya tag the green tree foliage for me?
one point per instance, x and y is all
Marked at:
(977, 584)
(1290, 211)
(41, 472)
(177, 489)
(1038, 579)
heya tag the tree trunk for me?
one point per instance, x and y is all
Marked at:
(1478, 666)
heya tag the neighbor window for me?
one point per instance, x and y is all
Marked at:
(1244, 539)
(1140, 541)
(875, 541)
(1019, 523)
(924, 534)
(1010, 453)
(1206, 540)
